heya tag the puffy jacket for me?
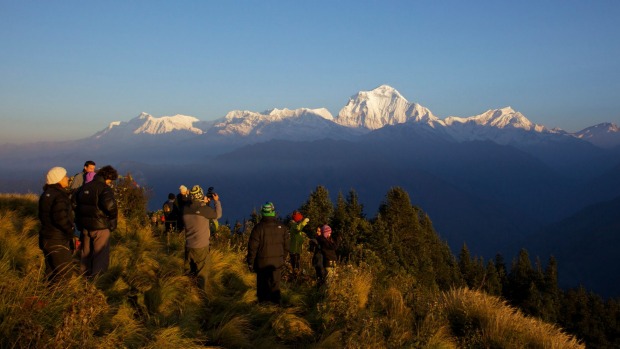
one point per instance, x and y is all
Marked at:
(298, 237)
(268, 245)
(196, 218)
(55, 213)
(96, 206)
(328, 247)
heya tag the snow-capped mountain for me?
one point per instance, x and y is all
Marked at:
(146, 124)
(382, 106)
(297, 124)
(365, 112)
(502, 126)
(605, 135)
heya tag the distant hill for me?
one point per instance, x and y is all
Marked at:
(586, 246)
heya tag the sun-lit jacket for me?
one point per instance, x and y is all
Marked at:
(268, 245)
(55, 213)
(96, 206)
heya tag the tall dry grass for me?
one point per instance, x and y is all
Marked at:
(146, 300)
(487, 321)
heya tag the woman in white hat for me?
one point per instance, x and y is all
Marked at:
(56, 234)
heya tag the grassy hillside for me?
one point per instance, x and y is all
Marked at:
(146, 301)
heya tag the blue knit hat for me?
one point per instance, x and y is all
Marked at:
(268, 210)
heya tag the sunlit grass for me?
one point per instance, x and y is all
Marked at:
(146, 300)
(487, 321)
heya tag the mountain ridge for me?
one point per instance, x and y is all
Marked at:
(365, 112)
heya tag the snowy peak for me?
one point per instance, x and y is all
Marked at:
(167, 124)
(150, 125)
(380, 107)
(498, 118)
(245, 123)
(605, 135)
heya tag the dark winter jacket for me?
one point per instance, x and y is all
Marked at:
(96, 206)
(55, 213)
(328, 248)
(196, 219)
(269, 244)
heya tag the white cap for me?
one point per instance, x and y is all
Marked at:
(55, 175)
(183, 188)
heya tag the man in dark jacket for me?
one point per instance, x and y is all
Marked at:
(96, 216)
(182, 200)
(56, 234)
(197, 233)
(267, 248)
(171, 213)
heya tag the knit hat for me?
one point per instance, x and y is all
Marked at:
(297, 217)
(197, 193)
(326, 230)
(55, 175)
(268, 210)
(182, 188)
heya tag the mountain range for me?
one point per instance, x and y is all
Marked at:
(365, 112)
(492, 180)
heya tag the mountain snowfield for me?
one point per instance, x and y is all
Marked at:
(365, 112)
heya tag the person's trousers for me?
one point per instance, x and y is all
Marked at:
(268, 284)
(58, 259)
(197, 258)
(95, 252)
(295, 257)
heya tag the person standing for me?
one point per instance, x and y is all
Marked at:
(171, 213)
(267, 248)
(96, 217)
(298, 237)
(328, 246)
(56, 233)
(196, 216)
(80, 178)
(182, 200)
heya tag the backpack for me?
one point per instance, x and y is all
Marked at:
(167, 208)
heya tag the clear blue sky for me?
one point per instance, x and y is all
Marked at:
(68, 68)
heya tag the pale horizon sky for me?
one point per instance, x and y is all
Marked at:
(69, 68)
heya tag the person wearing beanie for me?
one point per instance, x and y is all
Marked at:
(182, 200)
(268, 247)
(96, 216)
(298, 237)
(328, 246)
(196, 217)
(56, 233)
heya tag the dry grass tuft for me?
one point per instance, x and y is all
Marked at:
(488, 321)
(172, 337)
(290, 327)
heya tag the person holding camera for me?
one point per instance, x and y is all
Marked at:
(196, 216)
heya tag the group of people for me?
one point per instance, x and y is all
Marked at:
(84, 212)
(87, 206)
(271, 242)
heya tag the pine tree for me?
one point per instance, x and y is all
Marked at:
(492, 284)
(550, 291)
(318, 208)
(404, 235)
(465, 265)
(520, 279)
(348, 224)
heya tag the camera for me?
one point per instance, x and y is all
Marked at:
(210, 193)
